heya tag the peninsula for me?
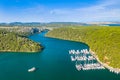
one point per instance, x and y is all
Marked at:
(103, 41)
(14, 39)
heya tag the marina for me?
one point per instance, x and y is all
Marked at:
(84, 60)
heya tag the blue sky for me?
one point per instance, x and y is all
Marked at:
(59, 10)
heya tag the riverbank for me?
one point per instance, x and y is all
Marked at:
(111, 69)
(102, 40)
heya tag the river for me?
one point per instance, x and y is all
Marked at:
(53, 63)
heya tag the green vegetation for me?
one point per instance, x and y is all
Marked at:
(105, 41)
(12, 42)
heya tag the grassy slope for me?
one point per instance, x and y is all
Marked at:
(11, 42)
(105, 41)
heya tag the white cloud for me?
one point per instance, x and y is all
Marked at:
(59, 11)
(104, 11)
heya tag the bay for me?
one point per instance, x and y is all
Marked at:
(53, 63)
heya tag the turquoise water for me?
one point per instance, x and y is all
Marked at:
(53, 63)
(114, 24)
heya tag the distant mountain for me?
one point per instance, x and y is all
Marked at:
(62, 24)
(58, 24)
(51, 24)
(22, 24)
(67, 23)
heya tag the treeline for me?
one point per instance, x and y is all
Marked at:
(104, 41)
(12, 42)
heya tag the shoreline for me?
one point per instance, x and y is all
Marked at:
(111, 69)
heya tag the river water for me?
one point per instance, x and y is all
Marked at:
(53, 63)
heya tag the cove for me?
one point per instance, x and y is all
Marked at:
(53, 63)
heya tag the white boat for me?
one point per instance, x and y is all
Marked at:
(32, 69)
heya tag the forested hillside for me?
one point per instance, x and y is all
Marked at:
(104, 41)
(12, 42)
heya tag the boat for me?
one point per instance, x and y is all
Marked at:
(32, 69)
